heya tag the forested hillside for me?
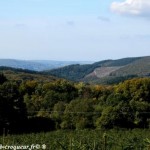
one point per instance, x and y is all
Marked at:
(76, 71)
(34, 106)
(139, 67)
(104, 71)
(20, 75)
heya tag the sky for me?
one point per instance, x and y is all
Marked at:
(77, 30)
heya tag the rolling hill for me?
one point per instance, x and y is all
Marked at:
(23, 75)
(107, 71)
(37, 65)
(103, 72)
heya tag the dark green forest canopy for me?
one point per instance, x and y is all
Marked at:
(2, 78)
(62, 104)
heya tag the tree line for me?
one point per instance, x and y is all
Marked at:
(33, 106)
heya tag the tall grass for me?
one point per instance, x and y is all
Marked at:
(136, 139)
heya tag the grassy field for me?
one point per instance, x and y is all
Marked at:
(136, 139)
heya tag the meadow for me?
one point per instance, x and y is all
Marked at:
(115, 139)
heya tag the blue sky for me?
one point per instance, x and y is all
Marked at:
(74, 29)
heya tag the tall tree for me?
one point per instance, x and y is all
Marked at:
(2, 78)
(12, 108)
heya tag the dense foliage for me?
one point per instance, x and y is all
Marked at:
(2, 78)
(32, 105)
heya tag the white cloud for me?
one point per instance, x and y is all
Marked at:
(132, 7)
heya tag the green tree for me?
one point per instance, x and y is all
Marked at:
(12, 107)
(2, 78)
(79, 114)
(58, 112)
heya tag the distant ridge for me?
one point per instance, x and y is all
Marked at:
(106, 71)
(36, 65)
(102, 72)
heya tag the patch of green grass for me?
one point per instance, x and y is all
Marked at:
(136, 139)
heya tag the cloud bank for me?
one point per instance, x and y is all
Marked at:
(132, 7)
